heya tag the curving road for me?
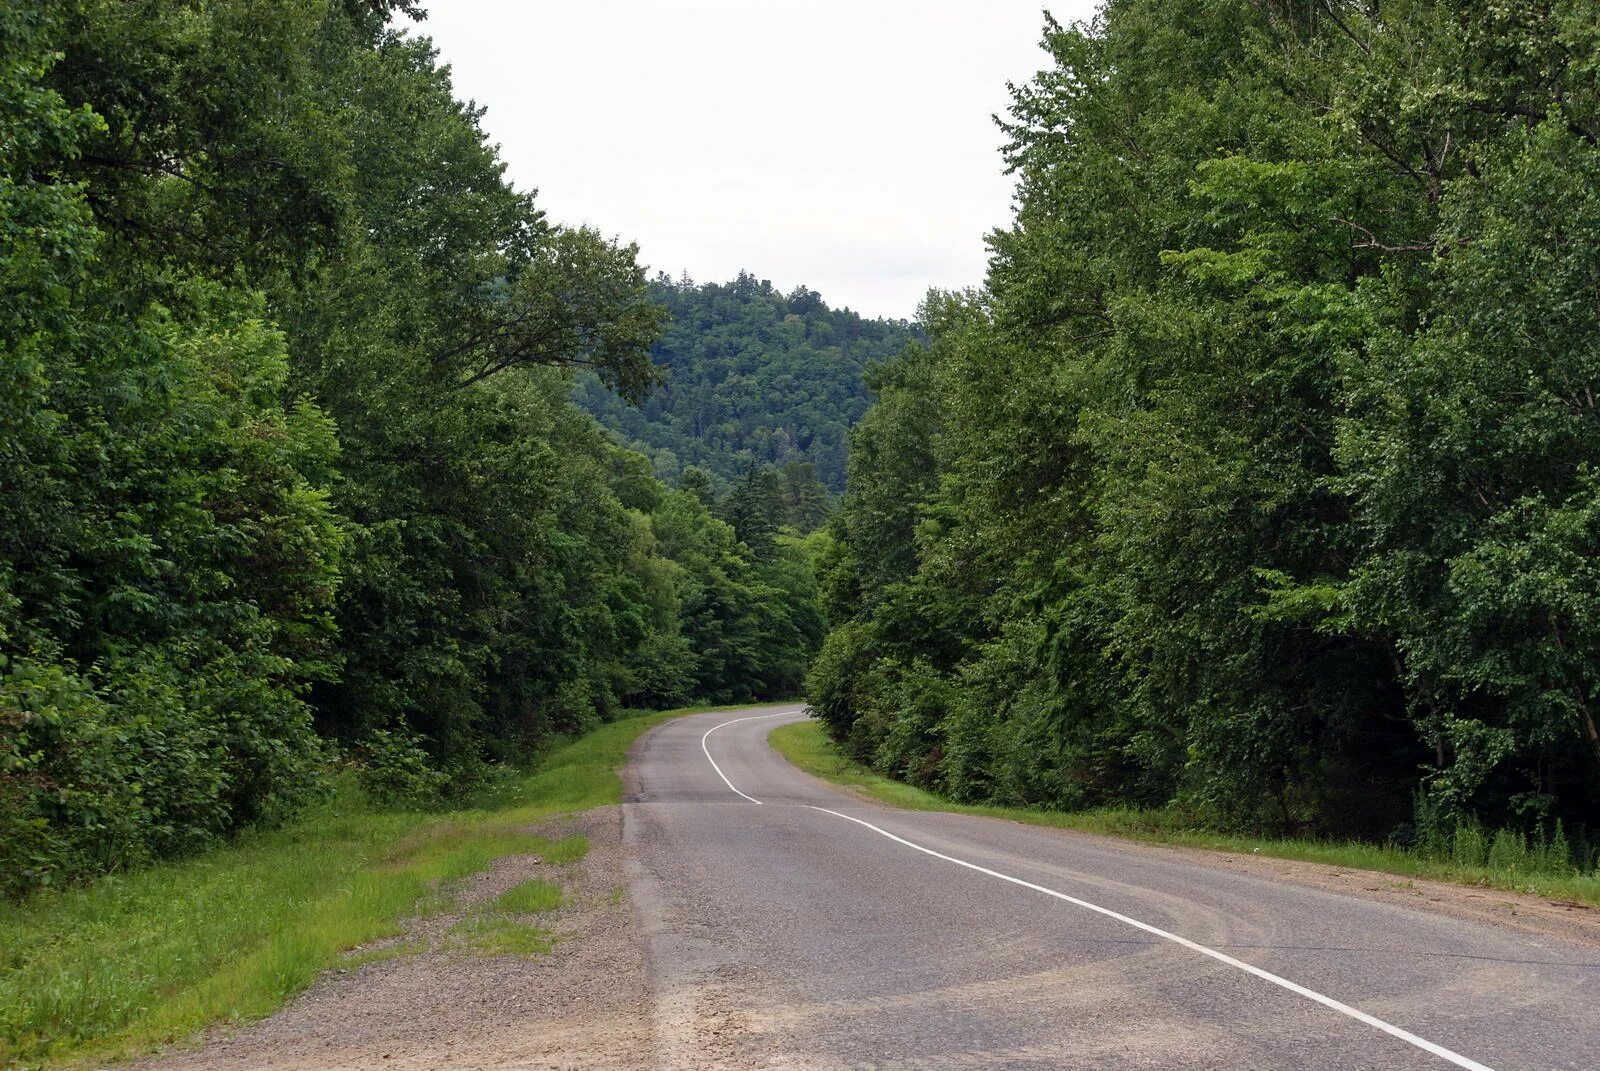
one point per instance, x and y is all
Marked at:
(790, 925)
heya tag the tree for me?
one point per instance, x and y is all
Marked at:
(698, 484)
(805, 500)
(291, 467)
(1258, 477)
(170, 553)
(754, 507)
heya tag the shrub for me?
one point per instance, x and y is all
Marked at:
(101, 776)
(395, 771)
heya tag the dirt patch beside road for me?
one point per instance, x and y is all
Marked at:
(583, 1005)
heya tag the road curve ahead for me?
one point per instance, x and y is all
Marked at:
(790, 925)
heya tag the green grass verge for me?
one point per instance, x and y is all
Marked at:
(566, 850)
(137, 960)
(806, 746)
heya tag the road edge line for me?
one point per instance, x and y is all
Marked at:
(1422, 1043)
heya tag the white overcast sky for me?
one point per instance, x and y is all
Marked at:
(844, 145)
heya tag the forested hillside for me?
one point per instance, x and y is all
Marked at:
(752, 376)
(1263, 477)
(291, 475)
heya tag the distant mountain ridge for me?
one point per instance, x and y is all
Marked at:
(754, 375)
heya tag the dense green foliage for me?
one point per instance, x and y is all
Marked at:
(753, 376)
(291, 469)
(1263, 477)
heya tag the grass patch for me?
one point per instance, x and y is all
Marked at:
(492, 931)
(137, 960)
(497, 935)
(806, 746)
(149, 956)
(566, 850)
(529, 898)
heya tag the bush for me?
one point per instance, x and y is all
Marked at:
(101, 777)
(395, 771)
(662, 674)
(834, 687)
(914, 745)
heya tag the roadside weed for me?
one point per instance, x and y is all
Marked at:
(497, 935)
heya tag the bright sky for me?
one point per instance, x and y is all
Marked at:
(843, 144)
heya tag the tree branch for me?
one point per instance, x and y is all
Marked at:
(1371, 240)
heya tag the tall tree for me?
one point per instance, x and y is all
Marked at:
(288, 441)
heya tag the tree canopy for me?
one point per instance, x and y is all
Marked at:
(1260, 478)
(291, 468)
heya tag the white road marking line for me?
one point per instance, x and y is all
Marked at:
(736, 721)
(1294, 987)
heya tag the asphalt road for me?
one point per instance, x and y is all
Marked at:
(814, 930)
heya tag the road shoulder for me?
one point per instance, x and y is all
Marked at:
(432, 1000)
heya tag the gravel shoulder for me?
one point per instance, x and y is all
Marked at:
(425, 1002)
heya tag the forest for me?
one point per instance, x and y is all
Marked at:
(292, 480)
(1261, 480)
(753, 377)
(380, 549)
